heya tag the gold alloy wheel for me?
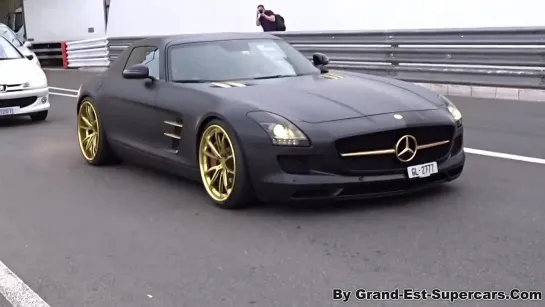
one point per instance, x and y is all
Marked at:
(88, 130)
(217, 163)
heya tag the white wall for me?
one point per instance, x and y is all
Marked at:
(157, 17)
(63, 20)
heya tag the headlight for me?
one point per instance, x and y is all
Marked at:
(281, 131)
(452, 109)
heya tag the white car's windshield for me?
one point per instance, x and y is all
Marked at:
(236, 60)
(8, 34)
(7, 51)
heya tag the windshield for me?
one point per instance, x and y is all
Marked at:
(8, 34)
(7, 51)
(237, 60)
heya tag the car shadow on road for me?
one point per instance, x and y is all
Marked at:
(426, 198)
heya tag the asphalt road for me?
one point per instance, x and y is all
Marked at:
(126, 236)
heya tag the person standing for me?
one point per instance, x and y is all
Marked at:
(266, 19)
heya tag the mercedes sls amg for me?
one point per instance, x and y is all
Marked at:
(255, 120)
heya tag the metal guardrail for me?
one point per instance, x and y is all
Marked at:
(47, 51)
(499, 57)
(87, 53)
(49, 54)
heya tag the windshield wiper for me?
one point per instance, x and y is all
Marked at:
(274, 77)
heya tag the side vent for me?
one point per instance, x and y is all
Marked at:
(332, 76)
(175, 135)
(228, 84)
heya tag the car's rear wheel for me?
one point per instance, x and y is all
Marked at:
(92, 139)
(39, 116)
(223, 171)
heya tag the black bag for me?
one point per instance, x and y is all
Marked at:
(279, 21)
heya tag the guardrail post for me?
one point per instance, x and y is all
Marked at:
(64, 55)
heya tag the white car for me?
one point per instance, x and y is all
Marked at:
(23, 85)
(13, 38)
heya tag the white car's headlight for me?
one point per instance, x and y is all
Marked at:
(456, 114)
(281, 131)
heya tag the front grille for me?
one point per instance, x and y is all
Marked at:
(17, 102)
(13, 87)
(387, 140)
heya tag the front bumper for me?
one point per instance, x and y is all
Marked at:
(274, 181)
(24, 102)
(280, 187)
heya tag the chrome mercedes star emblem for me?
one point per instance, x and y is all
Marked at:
(3, 88)
(406, 148)
(398, 116)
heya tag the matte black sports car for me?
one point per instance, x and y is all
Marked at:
(254, 119)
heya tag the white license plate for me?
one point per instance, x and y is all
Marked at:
(422, 170)
(7, 111)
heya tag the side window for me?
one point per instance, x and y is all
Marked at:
(148, 56)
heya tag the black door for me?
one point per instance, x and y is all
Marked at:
(131, 104)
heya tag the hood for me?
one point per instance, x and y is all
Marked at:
(20, 71)
(316, 99)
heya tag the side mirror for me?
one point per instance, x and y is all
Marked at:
(320, 60)
(138, 71)
(27, 44)
(30, 57)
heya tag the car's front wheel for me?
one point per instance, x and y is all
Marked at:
(223, 171)
(39, 116)
(92, 139)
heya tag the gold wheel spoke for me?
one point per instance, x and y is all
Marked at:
(88, 145)
(221, 140)
(225, 182)
(215, 176)
(213, 168)
(229, 171)
(88, 138)
(87, 123)
(209, 155)
(213, 148)
(95, 144)
(221, 183)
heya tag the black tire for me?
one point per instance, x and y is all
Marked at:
(104, 155)
(242, 195)
(39, 116)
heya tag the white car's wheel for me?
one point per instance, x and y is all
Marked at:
(39, 116)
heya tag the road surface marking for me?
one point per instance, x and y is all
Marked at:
(16, 291)
(62, 89)
(504, 156)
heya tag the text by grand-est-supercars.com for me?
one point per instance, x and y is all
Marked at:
(436, 295)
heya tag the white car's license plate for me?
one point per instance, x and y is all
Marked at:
(7, 111)
(422, 170)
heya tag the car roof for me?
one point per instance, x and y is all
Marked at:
(164, 41)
